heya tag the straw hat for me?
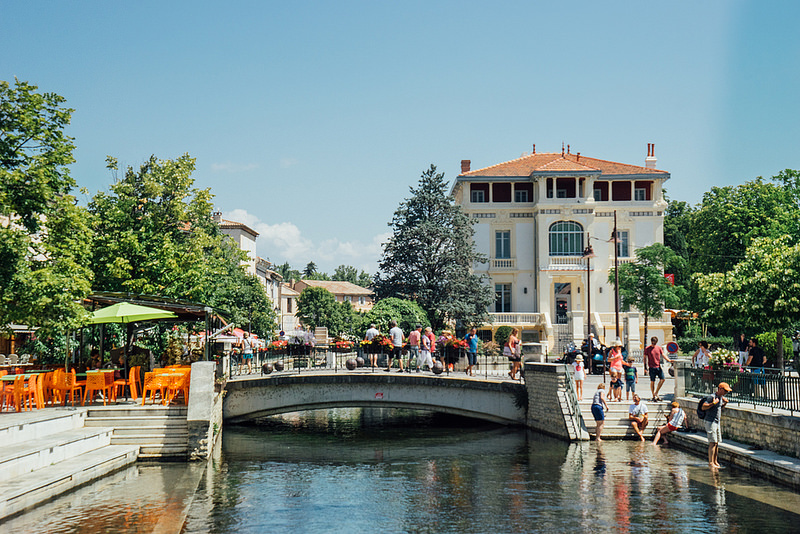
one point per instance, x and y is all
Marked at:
(616, 343)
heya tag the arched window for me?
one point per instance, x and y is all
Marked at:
(566, 239)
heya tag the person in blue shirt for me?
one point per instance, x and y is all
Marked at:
(472, 350)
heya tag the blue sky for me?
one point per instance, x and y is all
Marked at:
(311, 120)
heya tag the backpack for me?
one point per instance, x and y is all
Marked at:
(700, 412)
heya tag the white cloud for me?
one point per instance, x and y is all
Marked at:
(232, 168)
(288, 162)
(284, 241)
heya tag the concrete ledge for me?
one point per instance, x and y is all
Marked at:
(775, 467)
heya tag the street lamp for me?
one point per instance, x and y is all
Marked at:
(588, 253)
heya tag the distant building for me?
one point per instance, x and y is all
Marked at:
(361, 298)
(536, 215)
(288, 319)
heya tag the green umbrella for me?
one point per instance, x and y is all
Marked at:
(125, 312)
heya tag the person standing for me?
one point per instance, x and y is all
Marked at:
(432, 337)
(580, 375)
(425, 352)
(744, 346)
(413, 347)
(675, 420)
(615, 359)
(472, 350)
(637, 415)
(396, 335)
(712, 406)
(701, 355)
(631, 377)
(755, 362)
(247, 352)
(372, 333)
(599, 408)
(510, 351)
(652, 361)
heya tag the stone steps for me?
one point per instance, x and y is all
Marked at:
(48, 452)
(617, 425)
(160, 432)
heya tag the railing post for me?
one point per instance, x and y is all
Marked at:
(680, 377)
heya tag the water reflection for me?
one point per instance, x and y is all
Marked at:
(397, 471)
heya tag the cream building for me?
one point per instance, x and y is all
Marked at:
(535, 218)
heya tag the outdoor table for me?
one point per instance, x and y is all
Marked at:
(10, 378)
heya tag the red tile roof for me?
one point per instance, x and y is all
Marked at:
(556, 162)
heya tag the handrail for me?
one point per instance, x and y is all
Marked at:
(769, 387)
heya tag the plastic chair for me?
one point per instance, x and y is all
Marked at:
(7, 393)
(66, 383)
(133, 383)
(32, 393)
(153, 383)
(180, 385)
(12, 394)
(96, 381)
(47, 387)
(13, 359)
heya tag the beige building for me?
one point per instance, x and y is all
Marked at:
(361, 298)
(535, 218)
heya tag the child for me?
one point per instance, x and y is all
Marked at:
(580, 375)
(616, 388)
(674, 422)
(631, 377)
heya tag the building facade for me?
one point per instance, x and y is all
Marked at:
(545, 221)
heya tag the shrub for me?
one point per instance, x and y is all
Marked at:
(502, 334)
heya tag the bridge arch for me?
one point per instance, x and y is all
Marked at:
(490, 400)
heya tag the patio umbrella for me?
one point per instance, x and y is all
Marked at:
(125, 312)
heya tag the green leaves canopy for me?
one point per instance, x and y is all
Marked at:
(44, 236)
(316, 306)
(430, 254)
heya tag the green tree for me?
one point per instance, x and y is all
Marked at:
(316, 306)
(288, 273)
(156, 236)
(642, 284)
(408, 315)
(678, 218)
(310, 270)
(44, 235)
(730, 218)
(348, 273)
(430, 254)
(762, 291)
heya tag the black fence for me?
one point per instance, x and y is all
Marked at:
(767, 387)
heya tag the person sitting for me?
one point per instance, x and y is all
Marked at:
(675, 420)
(637, 415)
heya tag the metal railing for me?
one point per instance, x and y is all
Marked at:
(770, 387)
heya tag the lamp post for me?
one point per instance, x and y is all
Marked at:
(588, 253)
(615, 240)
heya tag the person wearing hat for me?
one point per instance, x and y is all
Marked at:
(580, 375)
(713, 405)
(615, 359)
(472, 350)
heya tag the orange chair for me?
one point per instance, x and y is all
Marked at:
(181, 385)
(97, 381)
(31, 393)
(64, 383)
(47, 387)
(155, 382)
(13, 394)
(133, 383)
(7, 394)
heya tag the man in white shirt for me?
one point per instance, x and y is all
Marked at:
(637, 414)
(396, 335)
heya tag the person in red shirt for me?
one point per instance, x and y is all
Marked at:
(652, 361)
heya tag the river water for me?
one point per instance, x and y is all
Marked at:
(369, 470)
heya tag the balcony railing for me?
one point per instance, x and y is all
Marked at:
(504, 263)
(566, 263)
(516, 318)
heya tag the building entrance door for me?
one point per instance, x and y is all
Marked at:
(562, 301)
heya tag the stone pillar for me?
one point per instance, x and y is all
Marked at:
(577, 320)
(552, 403)
(204, 413)
(680, 377)
(634, 341)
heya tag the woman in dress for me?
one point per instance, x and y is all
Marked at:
(510, 350)
(615, 359)
(701, 355)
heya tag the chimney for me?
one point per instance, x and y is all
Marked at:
(217, 215)
(650, 160)
(534, 148)
(465, 165)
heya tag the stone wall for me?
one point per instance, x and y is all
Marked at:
(204, 415)
(775, 432)
(552, 403)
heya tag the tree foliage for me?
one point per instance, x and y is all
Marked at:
(762, 291)
(408, 315)
(156, 236)
(348, 273)
(316, 306)
(642, 284)
(44, 236)
(730, 218)
(430, 254)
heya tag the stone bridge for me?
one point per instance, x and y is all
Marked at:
(488, 399)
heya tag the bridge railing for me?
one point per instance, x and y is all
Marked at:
(767, 387)
(303, 359)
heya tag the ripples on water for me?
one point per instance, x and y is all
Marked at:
(354, 470)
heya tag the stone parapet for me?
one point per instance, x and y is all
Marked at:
(204, 415)
(552, 404)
